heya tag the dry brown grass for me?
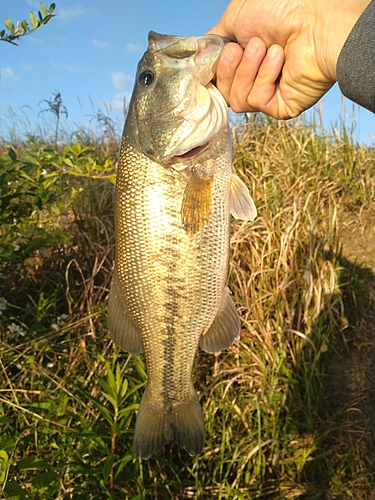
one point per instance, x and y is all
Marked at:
(275, 428)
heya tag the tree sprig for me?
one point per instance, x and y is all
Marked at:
(23, 28)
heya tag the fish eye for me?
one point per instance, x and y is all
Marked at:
(146, 78)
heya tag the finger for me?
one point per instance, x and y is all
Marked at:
(264, 93)
(226, 69)
(246, 74)
(217, 30)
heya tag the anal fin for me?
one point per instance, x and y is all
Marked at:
(197, 202)
(124, 332)
(225, 328)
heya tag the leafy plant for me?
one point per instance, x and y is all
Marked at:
(122, 395)
(22, 28)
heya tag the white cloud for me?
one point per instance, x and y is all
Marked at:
(63, 40)
(68, 14)
(121, 98)
(34, 4)
(8, 74)
(119, 102)
(28, 68)
(69, 68)
(8, 79)
(133, 49)
(122, 81)
(100, 45)
(36, 40)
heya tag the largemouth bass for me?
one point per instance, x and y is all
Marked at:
(174, 195)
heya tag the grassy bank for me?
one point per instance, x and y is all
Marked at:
(276, 426)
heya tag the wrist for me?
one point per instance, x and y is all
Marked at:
(335, 20)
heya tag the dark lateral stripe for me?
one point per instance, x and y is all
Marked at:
(170, 318)
(175, 295)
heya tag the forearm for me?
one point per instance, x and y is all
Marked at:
(356, 62)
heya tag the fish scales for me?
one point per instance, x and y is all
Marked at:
(175, 191)
(191, 272)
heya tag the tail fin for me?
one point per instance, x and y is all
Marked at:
(156, 426)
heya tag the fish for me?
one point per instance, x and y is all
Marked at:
(175, 191)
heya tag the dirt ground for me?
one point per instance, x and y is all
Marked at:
(358, 237)
(353, 368)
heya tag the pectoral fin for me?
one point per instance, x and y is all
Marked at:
(225, 328)
(197, 202)
(241, 203)
(124, 332)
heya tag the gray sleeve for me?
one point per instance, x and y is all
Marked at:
(356, 63)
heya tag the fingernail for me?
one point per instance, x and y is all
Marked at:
(228, 56)
(251, 48)
(273, 51)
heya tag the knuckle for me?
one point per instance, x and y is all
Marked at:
(238, 105)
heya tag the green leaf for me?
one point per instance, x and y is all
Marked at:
(109, 388)
(30, 463)
(111, 399)
(45, 485)
(124, 388)
(104, 411)
(118, 377)
(107, 467)
(128, 410)
(110, 377)
(14, 491)
(8, 39)
(126, 413)
(12, 155)
(6, 443)
(10, 25)
(4, 461)
(33, 20)
(135, 389)
(24, 26)
(120, 464)
(44, 10)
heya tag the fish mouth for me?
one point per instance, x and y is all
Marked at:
(191, 153)
(204, 130)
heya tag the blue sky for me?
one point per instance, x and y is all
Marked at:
(90, 50)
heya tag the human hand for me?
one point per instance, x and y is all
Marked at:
(286, 55)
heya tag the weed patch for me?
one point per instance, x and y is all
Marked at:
(280, 421)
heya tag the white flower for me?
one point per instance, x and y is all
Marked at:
(13, 328)
(3, 305)
(61, 319)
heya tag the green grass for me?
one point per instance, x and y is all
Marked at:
(68, 397)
